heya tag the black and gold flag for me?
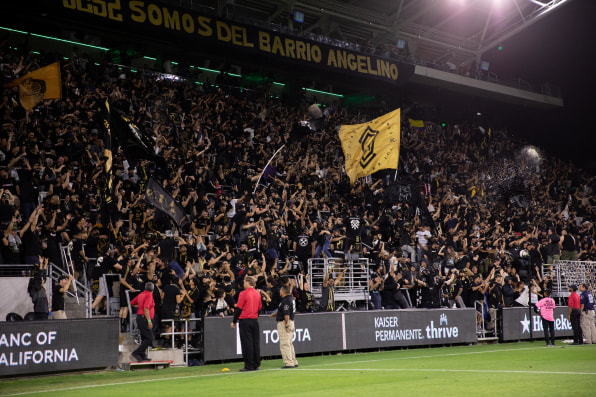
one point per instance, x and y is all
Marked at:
(372, 146)
(43, 83)
(107, 154)
(161, 199)
(135, 143)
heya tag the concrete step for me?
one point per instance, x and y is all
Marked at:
(128, 345)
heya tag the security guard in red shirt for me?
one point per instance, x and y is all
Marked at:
(247, 314)
(145, 313)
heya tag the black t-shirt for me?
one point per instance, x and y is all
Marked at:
(103, 265)
(286, 307)
(32, 243)
(57, 298)
(166, 248)
(169, 299)
(303, 245)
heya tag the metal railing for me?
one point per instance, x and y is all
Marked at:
(79, 289)
(353, 286)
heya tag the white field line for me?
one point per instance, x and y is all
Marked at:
(317, 369)
(489, 371)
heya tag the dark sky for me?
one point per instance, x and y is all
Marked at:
(558, 49)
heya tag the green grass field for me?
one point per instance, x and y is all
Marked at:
(528, 369)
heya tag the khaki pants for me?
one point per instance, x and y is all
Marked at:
(588, 328)
(285, 344)
(59, 315)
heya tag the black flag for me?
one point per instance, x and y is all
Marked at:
(136, 144)
(163, 200)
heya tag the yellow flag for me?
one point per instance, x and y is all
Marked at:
(40, 84)
(372, 146)
(416, 123)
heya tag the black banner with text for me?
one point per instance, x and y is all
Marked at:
(327, 332)
(160, 20)
(518, 321)
(30, 347)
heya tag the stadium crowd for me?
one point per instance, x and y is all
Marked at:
(499, 209)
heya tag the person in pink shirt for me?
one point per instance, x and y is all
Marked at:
(546, 306)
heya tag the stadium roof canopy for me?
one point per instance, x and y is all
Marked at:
(457, 31)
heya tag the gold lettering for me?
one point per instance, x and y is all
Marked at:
(331, 60)
(352, 61)
(137, 12)
(342, 59)
(277, 46)
(204, 28)
(290, 47)
(114, 11)
(154, 14)
(245, 41)
(394, 72)
(171, 21)
(308, 52)
(361, 59)
(370, 71)
(316, 53)
(383, 67)
(236, 35)
(188, 23)
(100, 8)
(300, 50)
(87, 8)
(72, 4)
(264, 41)
(222, 28)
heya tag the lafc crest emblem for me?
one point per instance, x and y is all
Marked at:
(367, 143)
(33, 87)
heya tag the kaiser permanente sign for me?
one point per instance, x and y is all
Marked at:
(160, 19)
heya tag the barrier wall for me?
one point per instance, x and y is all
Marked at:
(325, 332)
(14, 297)
(31, 347)
(517, 322)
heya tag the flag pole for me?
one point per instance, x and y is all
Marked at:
(266, 165)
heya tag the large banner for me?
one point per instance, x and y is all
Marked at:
(157, 19)
(518, 321)
(319, 332)
(30, 347)
(384, 328)
(325, 332)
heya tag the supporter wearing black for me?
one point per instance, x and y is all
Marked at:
(354, 226)
(495, 298)
(303, 247)
(306, 298)
(170, 310)
(392, 297)
(31, 237)
(58, 291)
(328, 292)
(37, 291)
(105, 264)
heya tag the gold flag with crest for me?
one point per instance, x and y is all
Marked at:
(370, 147)
(43, 83)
